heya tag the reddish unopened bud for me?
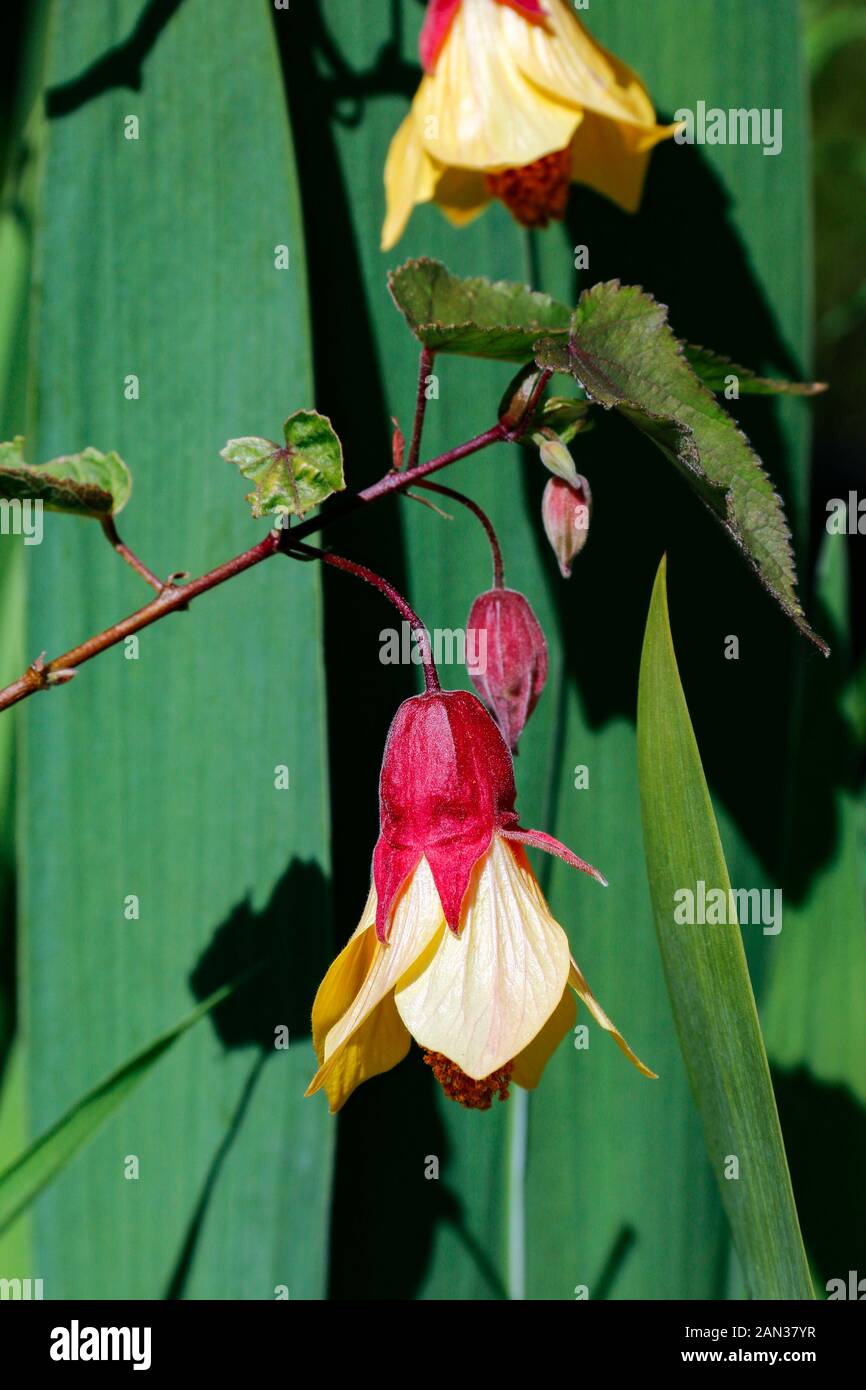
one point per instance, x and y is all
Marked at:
(565, 511)
(511, 658)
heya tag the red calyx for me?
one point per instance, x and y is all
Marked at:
(512, 658)
(447, 784)
(440, 17)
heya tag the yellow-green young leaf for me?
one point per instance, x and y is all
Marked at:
(89, 483)
(623, 353)
(290, 479)
(24, 1179)
(708, 980)
(475, 317)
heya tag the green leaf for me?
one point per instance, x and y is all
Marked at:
(291, 479)
(814, 1015)
(715, 372)
(89, 483)
(29, 1174)
(475, 317)
(623, 353)
(178, 748)
(708, 979)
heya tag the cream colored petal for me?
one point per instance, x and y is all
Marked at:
(410, 178)
(567, 64)
(530, 1063)
(477, 110)
(487, 993)
(417, 918)
(583, 991)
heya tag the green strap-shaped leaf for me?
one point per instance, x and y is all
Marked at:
(623, 353)
(475, 317)
(716, 371)
(89, 483)
(708, 979)
(30, 1173)
(290, 479)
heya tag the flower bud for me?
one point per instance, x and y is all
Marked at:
(565, 511)
(556, 457)
(511, 658)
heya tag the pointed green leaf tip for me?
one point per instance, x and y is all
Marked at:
(290, 479)
(86, 484)
(622, 352)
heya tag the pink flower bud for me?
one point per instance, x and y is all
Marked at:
(511, 658)
(565, 511)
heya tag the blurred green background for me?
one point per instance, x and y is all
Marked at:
(155, 777)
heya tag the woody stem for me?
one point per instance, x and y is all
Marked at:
(431, 676)
(425, 363)
(496, 551)
(110, 532)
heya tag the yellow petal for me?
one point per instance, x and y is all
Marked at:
(613, 158)
(345, 976)
(486, 994)
(477, 110)
(378, 1045)
(410, 178)
(583, 991)
(530, 1063)
(417, 918)
(563, 59)
(461, 194)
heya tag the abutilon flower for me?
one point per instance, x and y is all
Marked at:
(517, 102)
(565, 512)
(456, 946)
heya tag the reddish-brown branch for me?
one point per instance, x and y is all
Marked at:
(425, 363)
(110, 531)
(431, 676)
(472, 505)
(172, 597)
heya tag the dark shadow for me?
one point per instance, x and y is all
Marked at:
(180, 1274)
(385, 1211)
(283, 947)
(121, 66)
(825, 1135)
(614, 1264)
(280, 953)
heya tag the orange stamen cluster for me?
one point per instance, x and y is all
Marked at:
(475, 1095)
(536, 193)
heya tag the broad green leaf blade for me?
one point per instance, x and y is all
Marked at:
(815, 1017)
(708, 979)
(291, 479)
(624, 354)
(88, 483)
(29, 1174)
(474, 317)
(178, 856)
(722, 375)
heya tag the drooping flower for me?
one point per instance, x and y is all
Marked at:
(517, 102)
(456, 946)
(565, 512)
(513, 672)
